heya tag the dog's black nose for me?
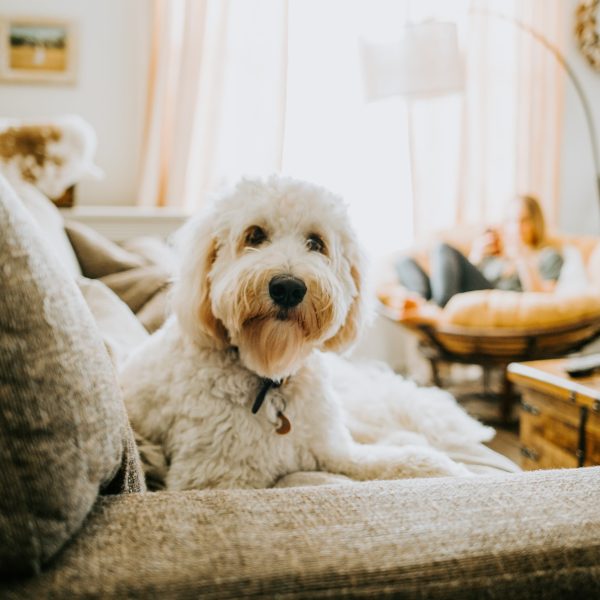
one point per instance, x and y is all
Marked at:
(286, 291)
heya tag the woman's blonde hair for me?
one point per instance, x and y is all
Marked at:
(533, 207)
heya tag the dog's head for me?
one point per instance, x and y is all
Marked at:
(274, 269)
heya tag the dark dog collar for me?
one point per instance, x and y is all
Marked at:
(267, 384)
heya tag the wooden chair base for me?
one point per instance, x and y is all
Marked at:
(496, 348)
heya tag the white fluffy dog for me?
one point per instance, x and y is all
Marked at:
(235, 387)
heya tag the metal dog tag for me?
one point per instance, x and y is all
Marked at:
(285, 426)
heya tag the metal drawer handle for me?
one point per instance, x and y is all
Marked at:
(530, 453)
(533, 410)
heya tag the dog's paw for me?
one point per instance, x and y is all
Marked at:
(442, 466)
(420, 461)
(448, 468)
(460, 470)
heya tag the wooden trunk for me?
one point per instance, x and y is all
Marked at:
(560, 416)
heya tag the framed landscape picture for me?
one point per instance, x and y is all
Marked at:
(37, 50)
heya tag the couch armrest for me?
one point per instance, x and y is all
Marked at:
(534, 534)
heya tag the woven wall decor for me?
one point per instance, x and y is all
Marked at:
(587, 32)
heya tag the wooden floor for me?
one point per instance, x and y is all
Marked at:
(507, 442)
(469, 392)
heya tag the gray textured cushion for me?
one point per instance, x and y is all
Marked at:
(522, 536)
(64, 434)
(121, 330)
(50, 223)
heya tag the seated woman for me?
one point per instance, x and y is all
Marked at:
(519, 259)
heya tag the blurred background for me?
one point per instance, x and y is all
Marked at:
(184, 97)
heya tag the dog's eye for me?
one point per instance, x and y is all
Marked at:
(315, 243)
(255, 236)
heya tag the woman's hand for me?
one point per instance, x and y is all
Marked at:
(485, 245)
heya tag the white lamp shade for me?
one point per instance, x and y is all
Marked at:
(425, 62)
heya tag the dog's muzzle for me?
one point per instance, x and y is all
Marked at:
(287, 291)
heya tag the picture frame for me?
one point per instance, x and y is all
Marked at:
(36, 49)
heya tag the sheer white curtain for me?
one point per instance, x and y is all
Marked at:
(178, 30)
(275, 86)
(513, 108)
(216, 99)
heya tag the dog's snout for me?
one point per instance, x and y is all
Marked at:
(287, 291)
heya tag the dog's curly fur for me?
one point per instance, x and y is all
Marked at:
(191, 387)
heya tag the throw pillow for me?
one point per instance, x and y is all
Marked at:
(138, 271)
(64, 433)
(120, 328)
(573, 277)
(97, 255)
(51, 153)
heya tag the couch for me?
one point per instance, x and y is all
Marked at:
(76, 521)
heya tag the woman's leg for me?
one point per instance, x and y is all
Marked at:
(412, 277)
(452, 273)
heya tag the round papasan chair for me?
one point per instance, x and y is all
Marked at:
(493, 328)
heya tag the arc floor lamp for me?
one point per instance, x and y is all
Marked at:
(589, 117)
(426, 62)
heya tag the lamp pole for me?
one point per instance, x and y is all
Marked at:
(570, 73)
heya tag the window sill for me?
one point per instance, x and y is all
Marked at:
(119, 223)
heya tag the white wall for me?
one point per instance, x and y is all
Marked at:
(580, 205)
(110, 91)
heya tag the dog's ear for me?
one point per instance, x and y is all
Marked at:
(351, 327)
(191, 297)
